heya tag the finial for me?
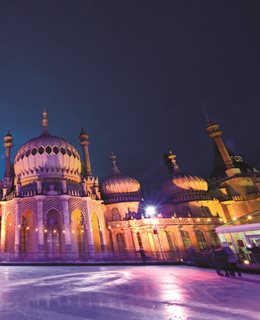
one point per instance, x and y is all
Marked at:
(115, 169)
(172, 163)
(45, 121)
(82, 131)
(8, 134)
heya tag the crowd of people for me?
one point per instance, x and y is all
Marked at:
(223, 259)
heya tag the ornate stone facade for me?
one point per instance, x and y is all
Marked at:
(53, 208)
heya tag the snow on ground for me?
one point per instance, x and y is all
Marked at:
(145, 292)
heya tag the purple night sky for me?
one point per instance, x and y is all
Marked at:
(140, 76)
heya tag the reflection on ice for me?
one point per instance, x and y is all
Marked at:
(123, 293)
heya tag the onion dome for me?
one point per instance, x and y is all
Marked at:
(47, 156)
(120, 188)
(181, 187)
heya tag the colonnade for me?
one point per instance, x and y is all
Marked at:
(51, 234)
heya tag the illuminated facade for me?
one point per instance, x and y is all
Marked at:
(236, 185)
(53, 208)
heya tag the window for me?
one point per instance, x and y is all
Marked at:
(139, 239)
(201, 240)
(121, 242)
(186, 239)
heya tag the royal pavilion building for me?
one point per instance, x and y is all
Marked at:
(52, 208)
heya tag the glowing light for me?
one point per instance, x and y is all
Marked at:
(220, 219)
(63, 231)
(10, 224)
(82, 231)
(208, 220)
(249, 218)
(19, 226)
(180, 218)
(54, 231)
(234, 219)
(188, 219)
(73, 231)
(45, 230)
(27, 228)
(150, 211)
(246, 262)
(36, 229)
(198, 219)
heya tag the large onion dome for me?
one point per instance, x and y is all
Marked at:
(181, 187)
(120, 188)
(47, 156)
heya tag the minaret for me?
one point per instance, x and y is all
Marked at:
(8, 143)
(215, 134)
(84, 143)
(115, 170)
(44, 122)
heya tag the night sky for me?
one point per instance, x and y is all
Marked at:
(139, 75)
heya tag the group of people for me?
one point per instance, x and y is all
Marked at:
(224, 260)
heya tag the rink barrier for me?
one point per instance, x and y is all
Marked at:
(201, 258)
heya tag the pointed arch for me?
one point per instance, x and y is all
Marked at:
(9, 233)
(96, 232)
(54, 241)
(78, 233)
(28, 233)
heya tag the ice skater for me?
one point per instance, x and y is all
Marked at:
(232, 261)
(219, 260)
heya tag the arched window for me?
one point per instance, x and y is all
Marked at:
(214, 238)
(169, 238)
(201, 240)
(186, 239)
(139, 239)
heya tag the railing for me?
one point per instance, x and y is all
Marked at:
(93, 257)
(163, 221)
(201, 258)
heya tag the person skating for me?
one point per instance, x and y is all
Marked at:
(232, 261)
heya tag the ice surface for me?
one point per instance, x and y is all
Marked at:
(145, 292)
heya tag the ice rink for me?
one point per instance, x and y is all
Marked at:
(145, 292)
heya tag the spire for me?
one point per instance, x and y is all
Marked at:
(45, 122)
(172, 164)
(83, 138)
(115, 170)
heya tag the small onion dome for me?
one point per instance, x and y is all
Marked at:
(120, 188)
(47, 157)
(180, 184)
